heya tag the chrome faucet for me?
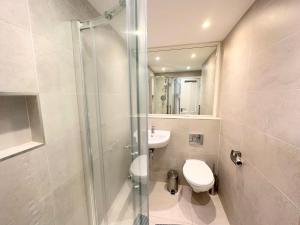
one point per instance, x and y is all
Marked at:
(152, 129)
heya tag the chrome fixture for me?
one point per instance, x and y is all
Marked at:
(172, 184)
(151, 153)
(152, 129)
(109, 14)
(196, 139)
(236, 157)
(127, 147)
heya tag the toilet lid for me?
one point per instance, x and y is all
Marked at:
(139, 166)
(197, 172)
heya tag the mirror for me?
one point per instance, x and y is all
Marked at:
(182, 80)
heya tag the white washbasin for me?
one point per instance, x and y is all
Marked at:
(159, 139)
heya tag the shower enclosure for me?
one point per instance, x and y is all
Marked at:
(111, 74)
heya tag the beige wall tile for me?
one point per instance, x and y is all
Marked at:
(246, 192)
(25, 189)
(260, 115)
(60, 169)
(276, 113)
(55, 67)
(45, 185)
(263, 62)
(70, 202)
(278, 161)
(16, 60)
(15, 12)
(60, 115)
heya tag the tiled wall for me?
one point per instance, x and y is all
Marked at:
(45, 185)
(178, 150)
(260, 111)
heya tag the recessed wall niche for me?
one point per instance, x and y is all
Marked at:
(21, 127)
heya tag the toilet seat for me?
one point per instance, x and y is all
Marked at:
(198, 174)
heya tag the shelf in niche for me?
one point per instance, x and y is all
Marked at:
(21, 126)
(12, 151)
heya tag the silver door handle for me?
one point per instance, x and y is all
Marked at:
(127, 147)
(136, 186)
(134, 153)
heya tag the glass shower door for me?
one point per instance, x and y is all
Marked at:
(110, 56)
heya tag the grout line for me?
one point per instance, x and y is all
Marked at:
(271, 136)
(33, 47)
(261, 132)
(16, 26)
(276, 43)
(274, 186)
(49, 176)
(267, 180)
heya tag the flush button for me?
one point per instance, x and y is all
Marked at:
(196, 139)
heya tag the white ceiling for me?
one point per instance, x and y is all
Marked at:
(177, 60)
(177, 22)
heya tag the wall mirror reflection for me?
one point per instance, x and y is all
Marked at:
(183, 79)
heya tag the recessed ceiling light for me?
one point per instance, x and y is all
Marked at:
(193, 56)
(163, 69)
(188, 67)
(157, 58)
(206, 24)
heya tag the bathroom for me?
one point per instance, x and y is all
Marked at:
(101, 99)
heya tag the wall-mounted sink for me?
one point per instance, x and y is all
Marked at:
(158, 139)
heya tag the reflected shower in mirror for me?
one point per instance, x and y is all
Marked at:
(182, 80)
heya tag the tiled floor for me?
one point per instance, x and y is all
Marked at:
(186, 207)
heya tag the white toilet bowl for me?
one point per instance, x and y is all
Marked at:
(138, 169)
(198, 175)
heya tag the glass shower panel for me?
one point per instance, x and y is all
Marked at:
(111, 88)
(137, 52)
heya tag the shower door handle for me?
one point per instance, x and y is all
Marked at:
(136, 186)
(127, 147)
(134, 153)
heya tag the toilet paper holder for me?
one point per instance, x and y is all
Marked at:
(236, 157)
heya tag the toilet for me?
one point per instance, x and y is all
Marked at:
(198, 175)
(138, 169)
